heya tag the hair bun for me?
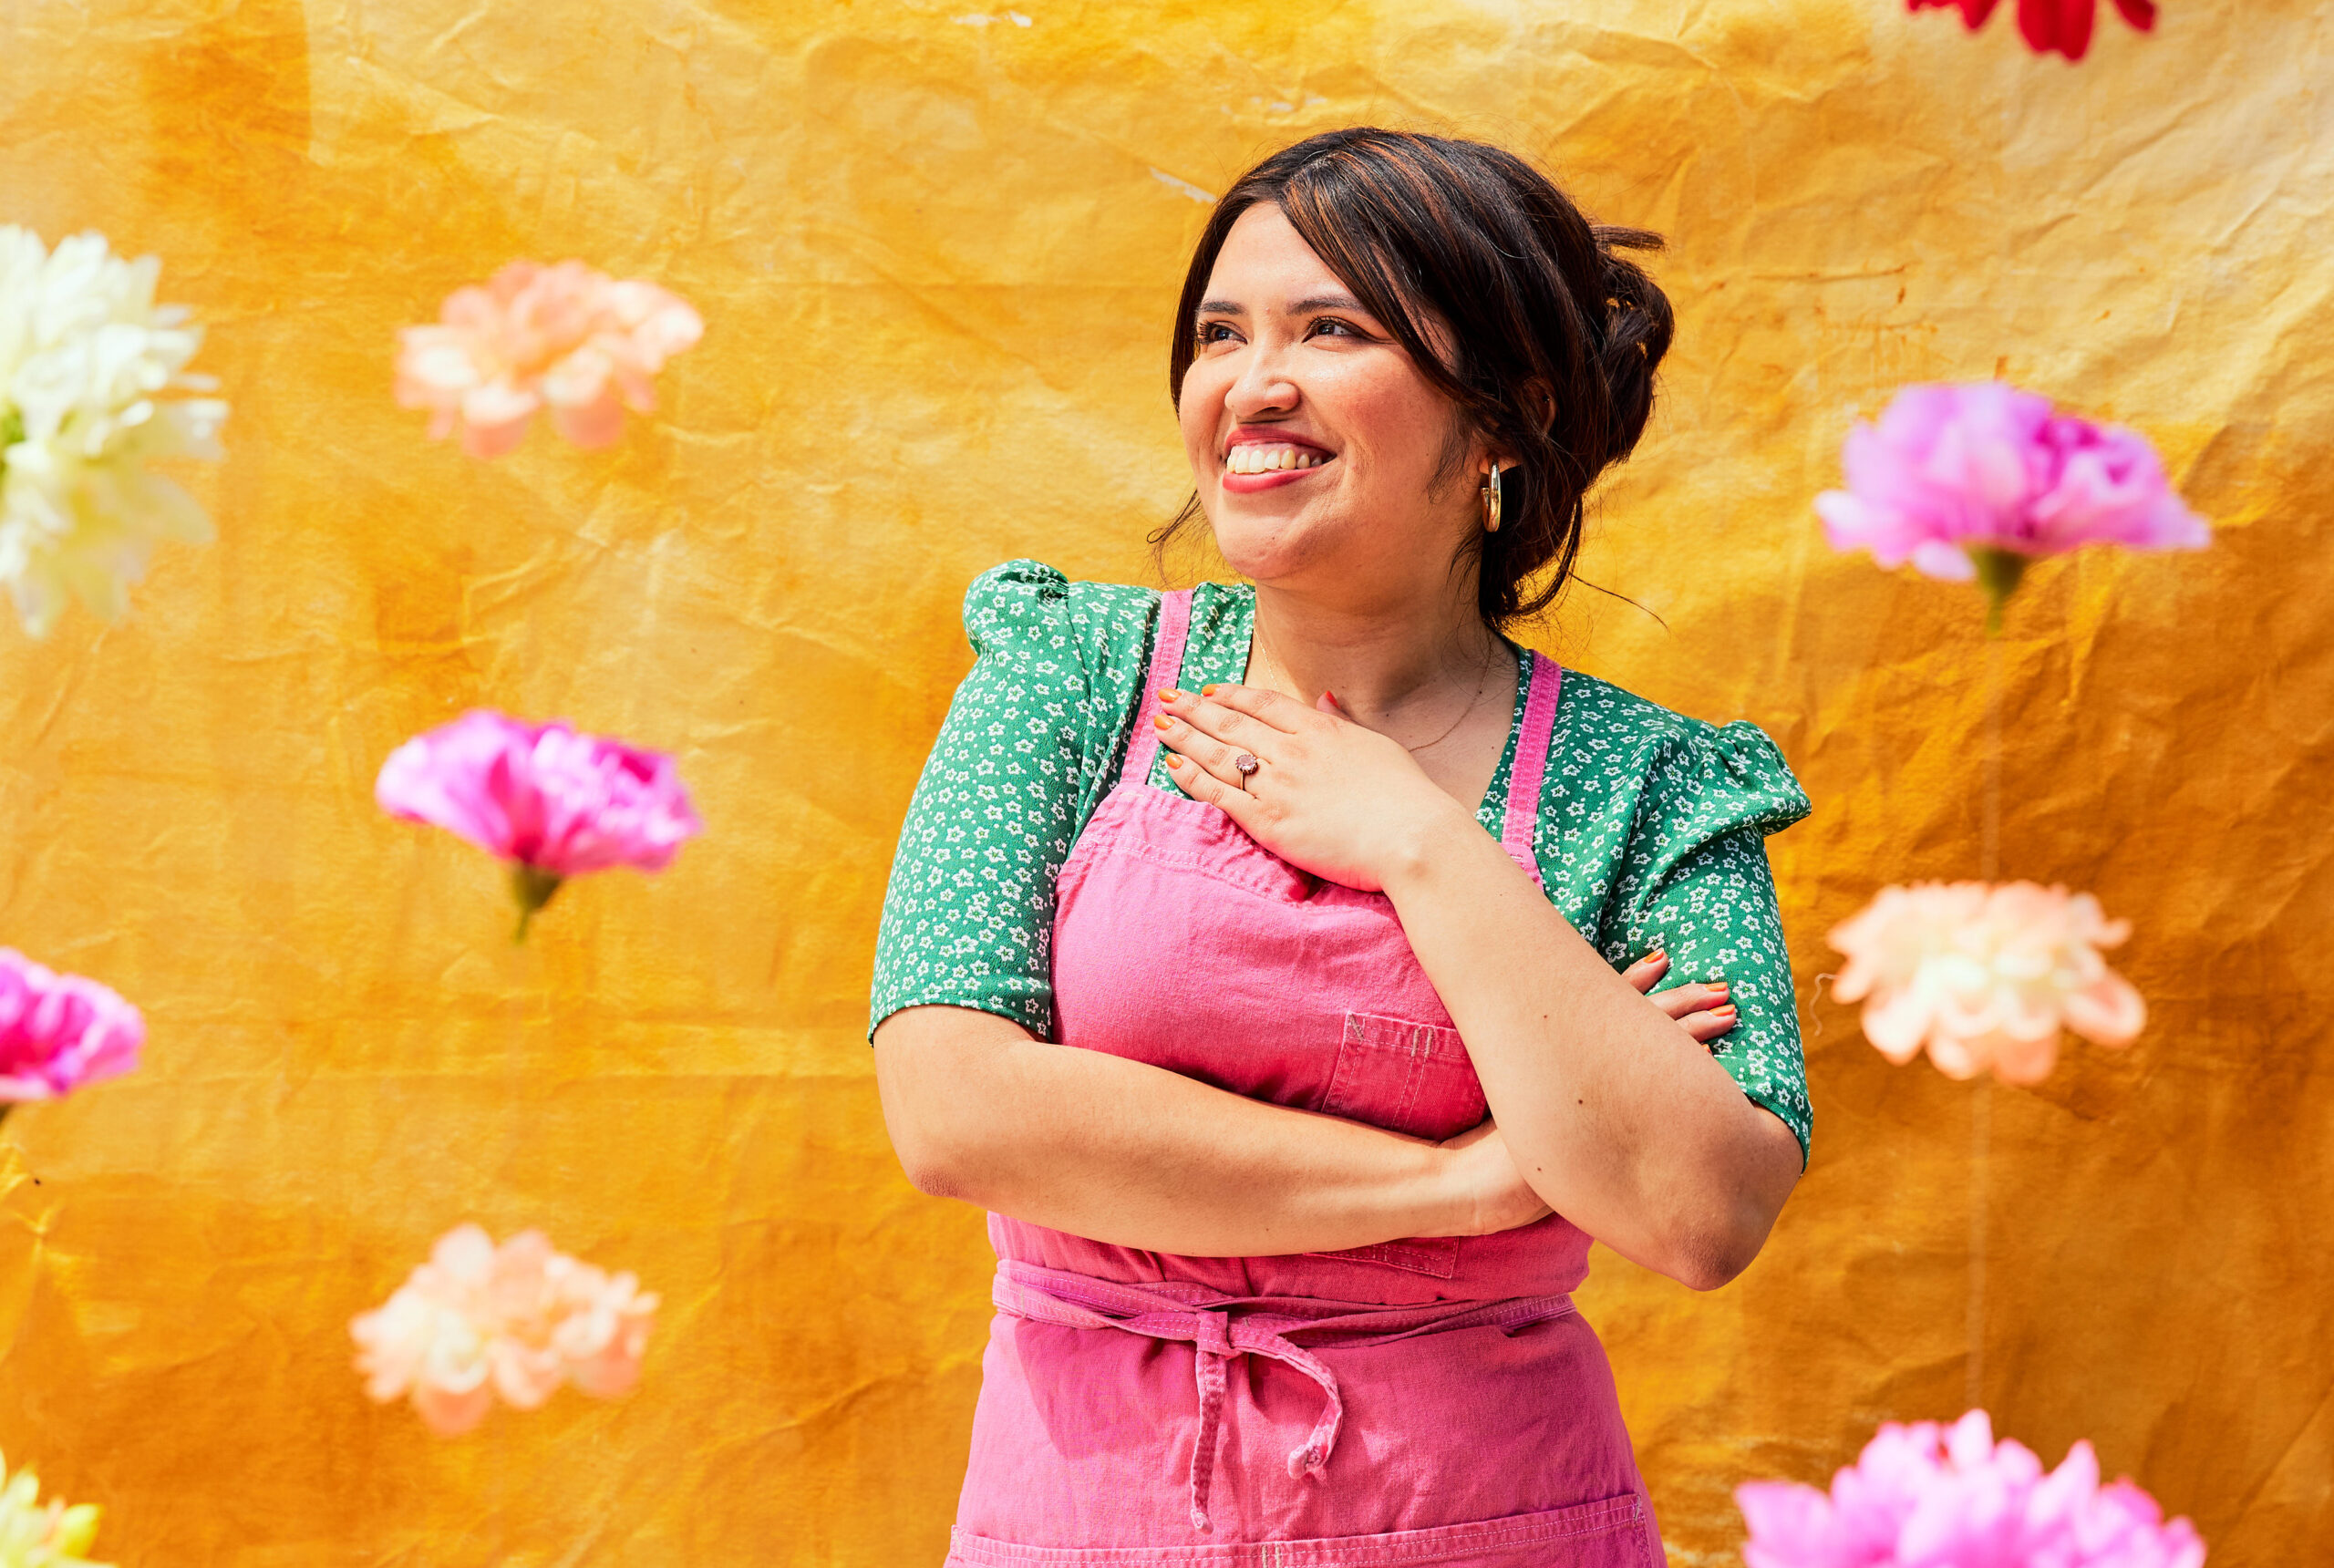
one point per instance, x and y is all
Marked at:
(1637, 325)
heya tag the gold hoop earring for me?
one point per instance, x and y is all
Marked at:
(1490, 501)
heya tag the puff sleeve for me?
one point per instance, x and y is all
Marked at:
(1024, 756)
(1694, 882)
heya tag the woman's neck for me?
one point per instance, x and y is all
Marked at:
(1409, 670)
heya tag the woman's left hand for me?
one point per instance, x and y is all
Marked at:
(1328, 795)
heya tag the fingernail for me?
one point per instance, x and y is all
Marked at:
(1168, 694)
(1161, 721)
(1716, 986)
(1173, 761)
(1656, 956)
(1725, 1012)
(1209, 689)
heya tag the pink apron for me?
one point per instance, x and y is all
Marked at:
(1429, 1401)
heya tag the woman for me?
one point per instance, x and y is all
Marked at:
(1250, 951)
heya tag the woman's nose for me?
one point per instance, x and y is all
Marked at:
(1263, 386)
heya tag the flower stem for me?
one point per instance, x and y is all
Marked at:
(1998, 573)
(532, 886)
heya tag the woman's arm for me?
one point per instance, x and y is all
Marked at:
(1619, 1119)
(1127, 1153)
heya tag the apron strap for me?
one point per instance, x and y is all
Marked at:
(1166, 669)
(1532, 739)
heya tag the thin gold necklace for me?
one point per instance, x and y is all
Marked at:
(1482, 682)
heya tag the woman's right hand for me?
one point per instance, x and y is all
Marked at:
(1699, 1006)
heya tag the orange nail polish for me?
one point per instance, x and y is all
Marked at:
(1725, 1012)
(1208, 690)
(1168, 694)
(1173, 761)
(1161, 721)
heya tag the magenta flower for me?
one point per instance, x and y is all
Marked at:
(550, 802)
(59, 1032)
(1928, 1497)
(519, 1321)
(2063, 25)
(1981, 480)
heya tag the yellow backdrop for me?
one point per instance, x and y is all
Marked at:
(936, 250)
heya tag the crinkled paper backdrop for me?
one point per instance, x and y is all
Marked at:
(936, 249)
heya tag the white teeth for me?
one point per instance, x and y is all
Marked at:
(1255, 458)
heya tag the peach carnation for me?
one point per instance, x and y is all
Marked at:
(517, 1321)
(565, 337)
(1985, 975)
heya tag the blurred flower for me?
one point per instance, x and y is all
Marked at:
(1985, 975)
(518, 1320)
(1979, 480)
(59, 1032)
(34, 1534)
(566, 337)
(86, 356)
(550, 802)
(1928, 1497)
(2047, 25)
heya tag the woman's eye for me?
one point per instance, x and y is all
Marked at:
(1330, 326)
(1214, 331)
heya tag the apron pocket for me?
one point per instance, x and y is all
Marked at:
(1405, 1076)
(1411, 1078)
(1612, 1532)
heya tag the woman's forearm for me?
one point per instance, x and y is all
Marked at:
(1617, 1119)
(1126, 1154)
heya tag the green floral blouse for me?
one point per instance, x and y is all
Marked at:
(1650, 823)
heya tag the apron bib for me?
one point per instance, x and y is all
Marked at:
(1428, 1400)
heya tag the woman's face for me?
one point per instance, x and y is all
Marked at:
(1317, 449)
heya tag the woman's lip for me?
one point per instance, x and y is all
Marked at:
(1249, 484)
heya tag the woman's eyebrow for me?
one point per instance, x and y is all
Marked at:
(1221, 307)
(1328, 302)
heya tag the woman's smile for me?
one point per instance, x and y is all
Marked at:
(1261, 459)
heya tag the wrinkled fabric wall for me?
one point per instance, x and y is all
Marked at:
(936, 250)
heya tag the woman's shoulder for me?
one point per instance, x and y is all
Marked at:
(1632, 747)
(1022, 599)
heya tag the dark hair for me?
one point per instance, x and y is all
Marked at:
(1554, 338)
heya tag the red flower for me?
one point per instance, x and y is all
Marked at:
(2048, 24)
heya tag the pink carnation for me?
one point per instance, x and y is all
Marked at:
(517, 1321)
(1985, 975)
(59, 1032)
(1928, 1497)
(2063, 25)
(552, 802)
(1978, 480)
(566, 337)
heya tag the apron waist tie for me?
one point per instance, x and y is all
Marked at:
(1202, 1320)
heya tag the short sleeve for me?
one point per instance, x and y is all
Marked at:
(1694, 882)
(1029, 747)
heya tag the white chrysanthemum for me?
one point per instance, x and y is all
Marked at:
(86, 360)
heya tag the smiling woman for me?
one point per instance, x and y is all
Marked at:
(1275, 960)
